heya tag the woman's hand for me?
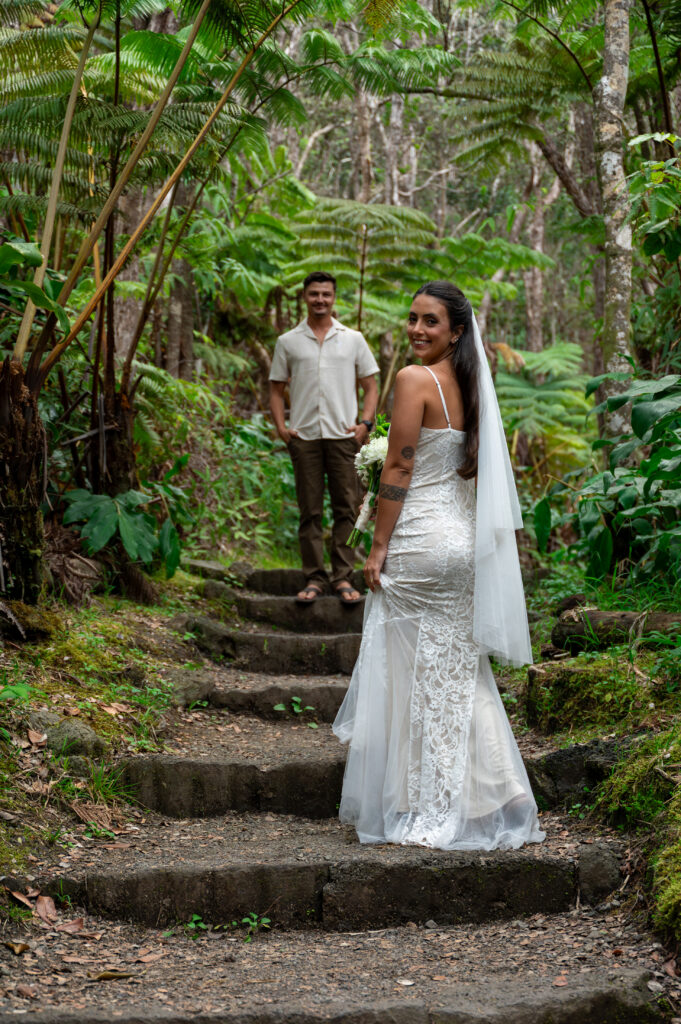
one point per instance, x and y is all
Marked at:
(373, 565)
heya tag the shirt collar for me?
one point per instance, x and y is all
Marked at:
(336, 326)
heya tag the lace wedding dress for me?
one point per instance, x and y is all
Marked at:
(432, 759)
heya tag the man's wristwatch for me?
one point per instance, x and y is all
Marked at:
(368, 424)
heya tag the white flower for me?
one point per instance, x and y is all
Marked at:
(370, 454)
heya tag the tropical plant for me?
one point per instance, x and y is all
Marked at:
(376, 252)
(628, 517)
(541, 397)
(655, 188)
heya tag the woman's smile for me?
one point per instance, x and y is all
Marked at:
(428, 329)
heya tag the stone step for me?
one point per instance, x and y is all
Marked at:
(307, 874)
(287, 582)
(325, 615)
(294, 653)
(186, 787)
(250, 693)
(517, 972)
(217, 763)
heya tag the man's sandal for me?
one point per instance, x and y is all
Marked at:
(343, 590)
(309, 594)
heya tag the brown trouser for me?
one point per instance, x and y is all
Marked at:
(312, 462)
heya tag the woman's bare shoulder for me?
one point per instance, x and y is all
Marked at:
(412, 375)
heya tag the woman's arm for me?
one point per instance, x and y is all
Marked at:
(405, 426)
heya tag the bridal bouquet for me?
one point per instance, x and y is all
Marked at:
(369, 462)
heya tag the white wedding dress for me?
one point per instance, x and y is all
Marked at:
(432, 758)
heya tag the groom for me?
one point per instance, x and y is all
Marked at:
(323, 362)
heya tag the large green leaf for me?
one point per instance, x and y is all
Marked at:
(600, 551)
(101, 525)
(137, 534)
(43, 301)
(645, 415)
(169, 541)
(542, 523)
(17, 253)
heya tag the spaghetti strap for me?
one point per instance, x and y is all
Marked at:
(442, 397)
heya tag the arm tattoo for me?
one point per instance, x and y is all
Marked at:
(407, 452)
(392, 493)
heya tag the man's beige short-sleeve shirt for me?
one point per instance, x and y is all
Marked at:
(322, 378)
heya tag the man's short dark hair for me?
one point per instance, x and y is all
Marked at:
(319, 277)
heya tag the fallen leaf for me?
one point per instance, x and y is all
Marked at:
(96, 936)
(17, 947)
(26, 992)
(71, 927)
(69, 959)
(46, 910)
(22, 899)
(72, 711)
(670, 968)
(37, 739)
(110, 975)
(439, 977)
(115, 708)
(560, 982)
(405, 981)
(32, 892)
(150, 958)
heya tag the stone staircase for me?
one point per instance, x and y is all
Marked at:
(241, 820)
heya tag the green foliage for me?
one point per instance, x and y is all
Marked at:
(632, 510)
(246, 502)
(194, 926)
(253, 923)
(106, 520)
(376, 252)
(655, 188)
(643, 794)
(16, 258)
(12, 692)
(542, 523)
(544, 400)
(298, 708)
(595, 691)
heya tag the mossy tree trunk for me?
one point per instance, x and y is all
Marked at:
(609, 100)
(22, 486)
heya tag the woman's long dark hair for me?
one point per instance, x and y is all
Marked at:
(465, 366)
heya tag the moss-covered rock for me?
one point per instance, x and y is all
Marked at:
(583, 690)
(30, 623)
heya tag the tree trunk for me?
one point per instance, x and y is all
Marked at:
(533, 277)
(581, 629)
(609, 97)
(363, 167)
(127, 309)
(392, 135)
(180, 328)
(22, 453)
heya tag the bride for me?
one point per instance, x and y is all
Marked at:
(432, 758)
